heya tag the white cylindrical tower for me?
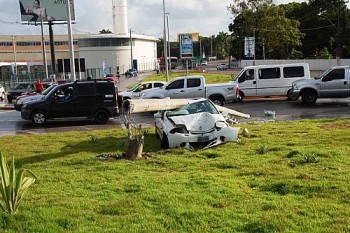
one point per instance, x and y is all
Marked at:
(120, 17)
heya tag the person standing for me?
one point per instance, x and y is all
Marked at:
(39, 86)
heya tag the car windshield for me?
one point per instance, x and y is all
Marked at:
(46, 91)
(196, 107)
(134, 88)
(21, 86)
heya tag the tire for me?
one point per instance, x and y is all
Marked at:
(2, 96)
(218, 100)
(309, 97)
(101, 117)
(290, 97)
(39, 118)
(9, 99)
(241, 97)
(156, 132)
(164, 144)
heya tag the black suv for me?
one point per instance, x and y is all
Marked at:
(95, 99)
(18, 90)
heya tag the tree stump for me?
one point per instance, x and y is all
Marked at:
(135, 147)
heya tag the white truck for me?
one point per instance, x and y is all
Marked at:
(333, 83)
(194, 87)
(270, 80)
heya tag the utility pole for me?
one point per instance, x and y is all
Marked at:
(70, 42)
(167, 23)
(165, 45)
(131, 56)
(44, 49)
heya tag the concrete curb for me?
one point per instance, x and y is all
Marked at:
(7, 106)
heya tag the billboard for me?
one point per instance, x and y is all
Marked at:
(186, 45)
(249, 47)
(47, 10)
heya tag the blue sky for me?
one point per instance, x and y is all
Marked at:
(208, 17)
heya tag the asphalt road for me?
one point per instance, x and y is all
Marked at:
(11, 122)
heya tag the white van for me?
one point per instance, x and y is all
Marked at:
(270, 80)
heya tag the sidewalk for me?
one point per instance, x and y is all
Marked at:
(6, 106)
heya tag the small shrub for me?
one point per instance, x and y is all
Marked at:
(262, 149)
(12, 186)
(92, 138)
(309, 158)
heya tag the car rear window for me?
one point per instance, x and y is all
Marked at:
(105, 89)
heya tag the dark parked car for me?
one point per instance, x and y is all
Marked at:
(95, 99)
(131, 72)
(18, 90)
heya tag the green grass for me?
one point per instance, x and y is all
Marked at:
(282, 177)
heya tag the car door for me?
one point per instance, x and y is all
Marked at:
(269, 80)
(247, 82)
(194, 88)
(176, 89)
(334, 84)
(63, 103)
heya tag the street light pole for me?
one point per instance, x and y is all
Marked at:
(132, 63)
(165, 45)
(70, 42)
(167, 23)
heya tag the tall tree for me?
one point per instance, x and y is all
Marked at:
(273, 32)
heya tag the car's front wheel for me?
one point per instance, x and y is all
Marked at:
(101, 117)
(309, 97)
(39, 118)
(2, 96)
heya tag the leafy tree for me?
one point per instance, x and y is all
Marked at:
(324, 54)
(273, 31)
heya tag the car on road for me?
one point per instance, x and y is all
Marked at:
(222, 66)
(32, 96)
(2, 93)
(19, 89)
(96, 99)
(136, 91)
(198, 124)
(204, 63)
(131, 72)
(113, 77)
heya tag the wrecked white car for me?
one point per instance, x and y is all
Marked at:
(197, 124)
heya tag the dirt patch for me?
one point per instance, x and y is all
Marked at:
(336, 126)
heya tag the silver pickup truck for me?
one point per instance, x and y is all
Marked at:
(194, 87)
(333, 83)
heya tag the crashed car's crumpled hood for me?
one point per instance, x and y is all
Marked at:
(202, 122)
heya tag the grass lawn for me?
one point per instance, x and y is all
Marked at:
(283, 177)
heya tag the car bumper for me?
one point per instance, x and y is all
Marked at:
(206, 140)
(295, 93)
(18, 107)
(25, 114)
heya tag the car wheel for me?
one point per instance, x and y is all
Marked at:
(9, 99)
(309, 97)
(39, 118)
(164, 144)
(101, 117)
(218, 100)
(156, 132)
(2, 96)
(289, 95)
(241, 97)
